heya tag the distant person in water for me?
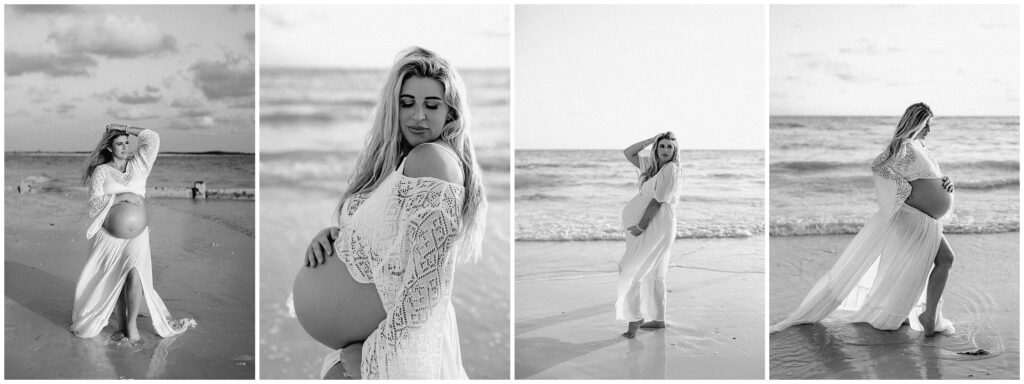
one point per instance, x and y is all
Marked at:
(894, 271)
(118, 276)
(414, 206)
(650, 220)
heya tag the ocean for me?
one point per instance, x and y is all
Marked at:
(821, 179)
(579, 194)
(313, 123)
(170, 170)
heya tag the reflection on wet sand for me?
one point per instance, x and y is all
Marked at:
(840, 350)
(647, 356)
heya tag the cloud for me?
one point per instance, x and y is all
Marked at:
(242, 8)
(191, 107)
(48, 9)
(148, 95)
(112, 36)
(64, 109)
(42, 94)
(130, 113)
(232, 77)
(250, 39)
(54, 65)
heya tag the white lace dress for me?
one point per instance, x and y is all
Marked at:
(642, 269)
(400, 237)
(111, 258)
(882, 275)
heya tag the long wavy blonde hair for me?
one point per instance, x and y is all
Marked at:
(101, 154)
(911, 124)
(655, 165)
(385, 146)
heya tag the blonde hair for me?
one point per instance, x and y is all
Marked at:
(101, 154)
(655, 165)
(912, 122)
(385, 147)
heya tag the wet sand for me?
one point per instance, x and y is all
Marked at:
(981, 297)
(289, 219)
(203, 265)
(565, 314)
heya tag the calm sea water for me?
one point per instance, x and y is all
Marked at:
(579, 194)
(170, 170)
(821, 178)
(313, 124)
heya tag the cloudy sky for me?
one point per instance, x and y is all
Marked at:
(360, 36)
(605, 77)
(876, 60)
(185, 71)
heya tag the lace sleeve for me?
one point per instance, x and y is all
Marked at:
(149, 146)
(667, 183)
(357, 262)
(406, 344)
(891, 185)
(98, 200)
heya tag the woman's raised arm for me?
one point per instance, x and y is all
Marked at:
(632, 152)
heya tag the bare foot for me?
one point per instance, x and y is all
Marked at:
(132, 331)
(118, 335)
(928, 323)
(633, 327)
(653, 324)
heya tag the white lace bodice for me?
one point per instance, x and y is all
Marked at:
(106, 182)
(894, 174)
(400, 237)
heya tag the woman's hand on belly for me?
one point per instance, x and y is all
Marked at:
(321, 246)
(930, 196)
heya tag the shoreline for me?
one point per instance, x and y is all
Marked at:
(565, 320)
(984, 310)
(202, 268)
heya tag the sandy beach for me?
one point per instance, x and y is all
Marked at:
(565, 320)
(203, 263)
(981, 297)
(290, 218)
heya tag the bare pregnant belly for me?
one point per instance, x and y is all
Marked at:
(127, 217)
(928, 196)
(334, 308)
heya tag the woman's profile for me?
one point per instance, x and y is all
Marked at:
(895, 269)
(118, 275)
(414, 206)
(650, 219)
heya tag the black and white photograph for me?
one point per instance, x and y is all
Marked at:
(894, 192)
(129, 172)
(639, 187)
(385, 182)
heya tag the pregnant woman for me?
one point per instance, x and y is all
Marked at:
(650, 218)
(895, 269)
(118, 276)
(413, 207)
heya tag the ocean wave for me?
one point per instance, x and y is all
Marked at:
(1009, 182)
(815, 165)
(543, 196)
(590, 234)
(841, 227)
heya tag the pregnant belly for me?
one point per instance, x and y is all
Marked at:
(928, 196)
(127, 217)
(334, 308)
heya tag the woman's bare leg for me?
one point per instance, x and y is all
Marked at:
(121, 309)
(133, 285)
(936, 284)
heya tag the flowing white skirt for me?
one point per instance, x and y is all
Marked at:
(110, 261)
(642, 270)
(881, 276)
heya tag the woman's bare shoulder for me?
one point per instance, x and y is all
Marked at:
(434, 161)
